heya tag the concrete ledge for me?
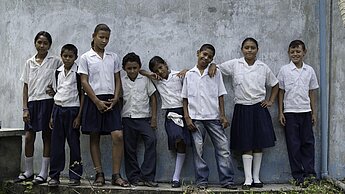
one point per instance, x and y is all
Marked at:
(163, 188)
(10, 152)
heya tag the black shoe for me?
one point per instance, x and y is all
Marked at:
(53, 183)
(230, 186)
(246, 187)
(202, 186)
(257, 185)
(175, 184)
(73, 182)
(150, 184)
(19, 180)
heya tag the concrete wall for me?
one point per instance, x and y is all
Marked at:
(337, 92)
(172, 29)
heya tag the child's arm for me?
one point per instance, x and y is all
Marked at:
(77, 120)
(313, 106)
(182, 73)
(118, 86)
(281, 107)
(153, 101)
(150, 75)
(102, 106)
(187, 118)
(274, 92)
(212, 70)
(26, 114)
(222, 116)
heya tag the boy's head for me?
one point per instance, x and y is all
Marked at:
(159, 66)
(131, 64)
(297, 51)
(205, 55)
(69, 53)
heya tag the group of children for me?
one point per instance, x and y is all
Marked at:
(60, 96)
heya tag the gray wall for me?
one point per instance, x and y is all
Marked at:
(174, 30)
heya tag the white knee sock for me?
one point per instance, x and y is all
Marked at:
(45, 167)
(247, 165)
(178, 166)
(257, 157)
(29, 166)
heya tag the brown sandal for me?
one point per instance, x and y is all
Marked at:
(117, 180)
(99, 179)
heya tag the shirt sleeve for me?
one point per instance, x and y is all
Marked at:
(25, 75)
(313, 81)
(280, 78)
(271, 79)
(117, 65)
(184, 92)
(221, 87)
(227, 67)
(150, 87)
(83, 66)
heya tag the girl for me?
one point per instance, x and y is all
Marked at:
(100, 78)
(170, 87)
(251, 127)
(38, 77)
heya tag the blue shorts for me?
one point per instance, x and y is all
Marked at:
(93, 121)
(176, 132)
(40, 112)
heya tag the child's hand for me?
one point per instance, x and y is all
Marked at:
(51, 123)
(190, 124)
(50, 91)
(153, 123)
(313, 119)
(76, 122)
(103, 106)
(282, 119)
(26, 116)
(212, 70)
(182, 73)
(113, 101)
(224, 122)
(266, 104)
(154, 76)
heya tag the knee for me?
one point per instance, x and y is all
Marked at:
(117, 137)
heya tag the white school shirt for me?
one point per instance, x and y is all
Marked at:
(249, 81)
(39, 76)
(170, 90)
(136, 96)
(297, 83)
(100, 71)
(67, 94)
(202, 93)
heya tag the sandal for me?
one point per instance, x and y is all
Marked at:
(99, 179)
(19, 179)
(117, 180)
(39, 180)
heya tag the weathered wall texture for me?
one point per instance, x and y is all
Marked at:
(336, 97)
(174, 30)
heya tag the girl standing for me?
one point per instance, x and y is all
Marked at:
(38, 77)
(251, 127)
(100, 78)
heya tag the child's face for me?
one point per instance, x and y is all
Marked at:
(249, 50)
(42, 45)
(162, 70)
(132, 70)
(297, 54)
(68, 57)
(101, 39)
(205, 57)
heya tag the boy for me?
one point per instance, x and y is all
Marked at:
(203, 105)
(297, 112)
(138, 93)
(65, 119)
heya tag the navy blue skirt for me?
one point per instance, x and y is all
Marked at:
(93, 121)
(176, 132)
(40, 112)
(251, 128)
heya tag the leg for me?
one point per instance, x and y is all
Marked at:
(257, 158)
(308, 146)
(42, 177)
(96, 158)
(201, 168)
(293, 143)
(180, 156)
(76, 167)
(222, 152)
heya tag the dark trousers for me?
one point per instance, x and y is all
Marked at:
(132, 130)
(300, 144)
(62, 130)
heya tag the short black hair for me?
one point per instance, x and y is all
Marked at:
(130, 57)
(208, 46)
(155, 61)
(296, 43)
(69, 47)
(250, 39)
